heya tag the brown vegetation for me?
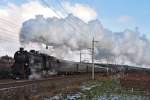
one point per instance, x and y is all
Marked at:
(136, 81)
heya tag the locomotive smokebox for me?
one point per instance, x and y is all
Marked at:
(21, 49)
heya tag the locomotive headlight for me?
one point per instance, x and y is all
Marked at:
(26, 64)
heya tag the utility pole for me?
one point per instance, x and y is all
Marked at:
(93, 67)
(46, 46)
(80, 56)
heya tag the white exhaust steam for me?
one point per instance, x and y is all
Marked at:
(69, 35)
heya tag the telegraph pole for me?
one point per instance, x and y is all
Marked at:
(46, 46)
(93, 67)
(93, 58)
(80, 56)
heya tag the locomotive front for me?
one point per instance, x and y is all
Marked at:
(20, 69)
(32, 65)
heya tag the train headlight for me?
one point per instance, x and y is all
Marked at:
(26, 64)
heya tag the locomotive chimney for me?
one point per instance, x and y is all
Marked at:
(21, 49)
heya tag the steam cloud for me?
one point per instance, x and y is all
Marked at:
(69, 35)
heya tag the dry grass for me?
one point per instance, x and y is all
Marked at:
(48, 88)
(72, 88)
(136, 81)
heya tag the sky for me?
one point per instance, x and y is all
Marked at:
(115, 15)
(118, 15)
(105, 17)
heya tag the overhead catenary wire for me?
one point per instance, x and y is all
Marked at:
(4, 40)
(70, 24)
(7, 30)
(58, 16)
(7, 38)
(51, 8)
(8, 22)
(7, 35)
(14, 34)
(2, 36)
(73, 27)
(67, 12)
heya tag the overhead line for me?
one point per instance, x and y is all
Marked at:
(8, 34)
(6, 30)
(66, 11)
(61, 17)
(7, 38)
(7, 21)
(52, 8)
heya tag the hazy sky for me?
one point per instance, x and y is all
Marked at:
(115, 15)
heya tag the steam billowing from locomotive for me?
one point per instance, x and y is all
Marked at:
(71, 34)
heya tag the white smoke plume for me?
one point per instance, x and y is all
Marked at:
(69, 35)
(11, 18)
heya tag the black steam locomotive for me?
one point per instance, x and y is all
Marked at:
(34, 64)
(28, 63)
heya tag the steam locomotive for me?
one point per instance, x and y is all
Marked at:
(27, 63)
(34, 64)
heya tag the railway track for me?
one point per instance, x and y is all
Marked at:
(23, 83)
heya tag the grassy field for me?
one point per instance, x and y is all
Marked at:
(78, 87)
(105, 89)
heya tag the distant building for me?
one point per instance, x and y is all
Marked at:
(6, 59)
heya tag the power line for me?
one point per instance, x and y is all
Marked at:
(71, 35)
(8, 40)
(59, 16)
(62, 6)
(8, 22)
(7, 31)
(7, 34)
(52, 8)
(67, 12)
